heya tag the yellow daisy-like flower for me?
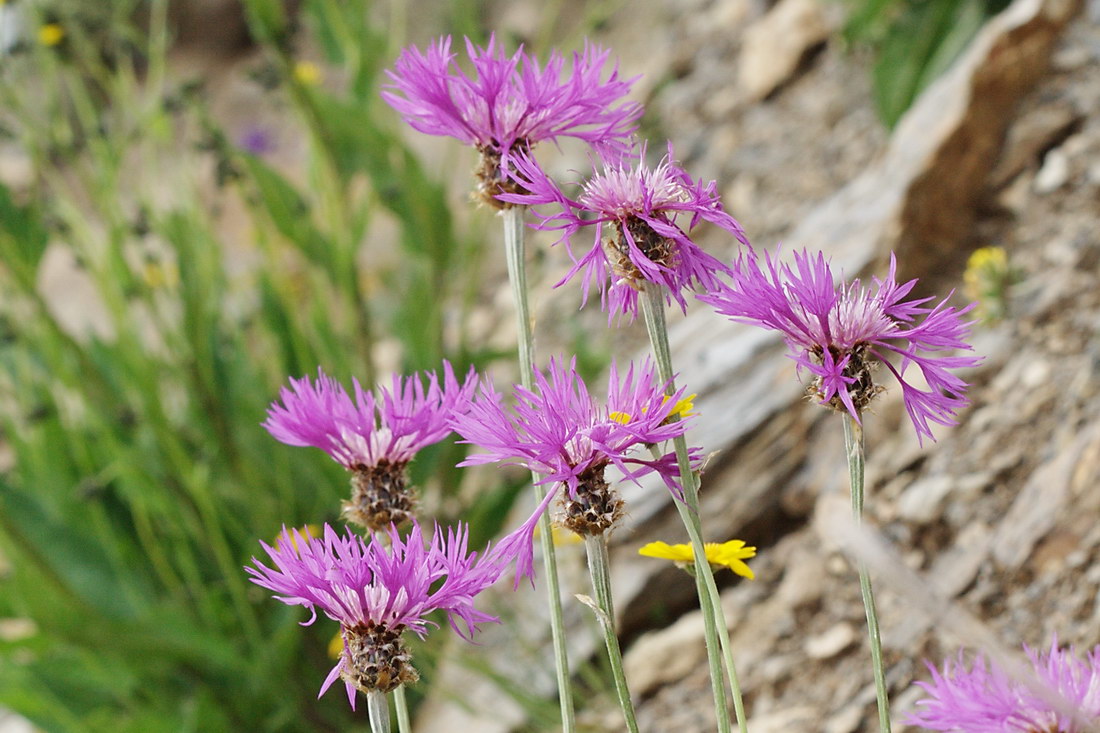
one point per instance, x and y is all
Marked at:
(681, 409)
(561, 536)
(307, 72)
(336, 646)
(307, 532)
(730, 555)
(50, 34)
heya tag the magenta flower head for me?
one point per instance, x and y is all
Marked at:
(840, 333)
(377, 589)
(638, 215)
(560, 432)
(1062, 697)
(374, 436)
(511, 103)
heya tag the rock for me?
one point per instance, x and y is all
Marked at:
(924, 498)
(831, 642)
(775, 45)
(1054, 173)
(665, 656)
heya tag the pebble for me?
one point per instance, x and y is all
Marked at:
(1054, 173)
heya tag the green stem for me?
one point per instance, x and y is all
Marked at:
(401, 705)
(517, 276)
(378, 710)
(716, 631)
(853, 444)
(600, 568)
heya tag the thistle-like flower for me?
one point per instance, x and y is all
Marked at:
(840, 333)
(511, 103)
(1063, 697)
(375, 436)
(376, 589)
(560, 432)
(637, 212)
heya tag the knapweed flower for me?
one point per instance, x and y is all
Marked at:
(511, 103)
(637, 212)
(730, 555)
(840, 333)
(560, 432)
(1063, 696)
(376, 589)
(374, 436)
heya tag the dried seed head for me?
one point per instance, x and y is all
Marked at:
(380, 496)
(653, 246)
(491, 181)
(595, 507)
(860, 366)
(376, 659)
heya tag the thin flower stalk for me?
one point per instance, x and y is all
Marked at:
(517, 276)
(599, 566)
(378, 712)
(716, 631)
(853, 444)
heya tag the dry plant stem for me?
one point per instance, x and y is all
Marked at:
(716, 630)
(599, 567)
(853, 443)
(378, 710)
(517, 276)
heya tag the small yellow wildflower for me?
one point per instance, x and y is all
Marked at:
(561, 536)
(988, 275)
(730, 554)
(680, 410)
(50, 34)
(307, 72)
(336, 646)
(307, 532)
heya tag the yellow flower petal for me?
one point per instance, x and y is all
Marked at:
(730, 554)
(50, 34)
(307, 533)
(620, 417)
(336, 646)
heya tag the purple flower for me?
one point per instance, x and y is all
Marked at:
(1063, 696)
(560, 432)
(375, 436)
(377, 588)
(256, 140)
(635, 211)
(510, 103)
(840, 333)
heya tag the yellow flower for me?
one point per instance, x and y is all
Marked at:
(307, 72)
(50, 34)
(307, 533)
(681, 409)
(336, 646)
(561, 536)
(988, 276)
(722, 554)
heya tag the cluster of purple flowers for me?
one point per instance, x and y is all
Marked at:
(641, 217)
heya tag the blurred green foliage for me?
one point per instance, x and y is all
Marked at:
(141, 479)
(914, 41)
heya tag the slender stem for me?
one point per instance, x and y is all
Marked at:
(378, 710)
(600, 569)
(402, 707)
(517, 276)
(716, 630)
(853, 444)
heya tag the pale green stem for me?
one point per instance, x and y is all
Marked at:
(402, 707)
(716, 631)
(517, 276)
(853, 444)
(600, 568)
(378, 710)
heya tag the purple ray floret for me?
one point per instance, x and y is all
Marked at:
(389, 584)
(511, 103)
(839, 332)
(640, 216)
(390, 425)
(561, 432)
(1063, 696)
